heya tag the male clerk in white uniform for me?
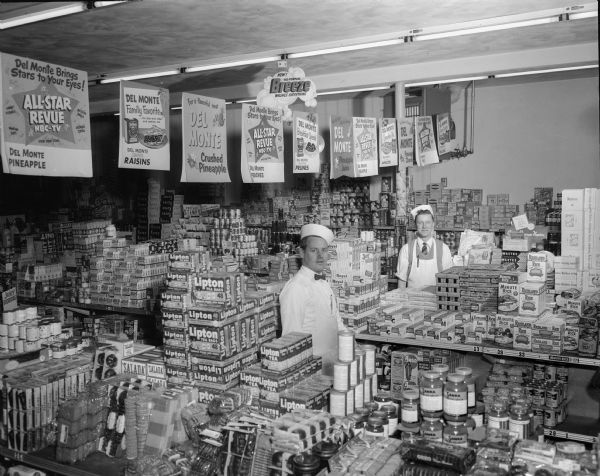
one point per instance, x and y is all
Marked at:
(421, 258)
(307, 301)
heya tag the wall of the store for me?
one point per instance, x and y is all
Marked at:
(534, 134)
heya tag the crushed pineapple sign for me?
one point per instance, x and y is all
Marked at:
(144, 127)
(45, 119)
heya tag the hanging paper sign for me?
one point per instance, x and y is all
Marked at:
(45, 119)
(406, 142)
(306, 138)
(284, 88)
(262, 144)
(445, 142)
(388, 143)
(341, 144)
(144, 127)
(365, 146)
(426, 151)
(204, 139)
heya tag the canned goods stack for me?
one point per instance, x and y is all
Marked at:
(228, 227)
(22, 331)
(524, 397)
(354, 376)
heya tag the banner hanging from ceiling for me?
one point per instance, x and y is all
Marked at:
(204, 139)
(262, 144)
(446, 142)
(425, 150)
(45, 119)
(388, 143)
(306, 139)
(406, 141)
(365, 146)
(144, 127)
(341, 145)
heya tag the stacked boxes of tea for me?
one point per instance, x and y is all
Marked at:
(448, 288)
(479, 287)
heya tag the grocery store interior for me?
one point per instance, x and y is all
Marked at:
(117, 353)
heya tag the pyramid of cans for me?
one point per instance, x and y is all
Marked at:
(288, 376)
(354, 376)
(211, 327)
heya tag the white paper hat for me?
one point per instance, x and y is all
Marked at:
(416, 210)
(312, 229)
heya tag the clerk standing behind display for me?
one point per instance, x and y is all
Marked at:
(307, 301)
(424, 256)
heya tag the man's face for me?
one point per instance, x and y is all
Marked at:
(424, 224)
(316, 254)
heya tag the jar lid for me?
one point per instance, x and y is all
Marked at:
(431, 375)
(306, 462)
(374, 420)
(465, 371)
(389, 409)
(440, 367)
(410, 394)
(499, 405)
(456, 378)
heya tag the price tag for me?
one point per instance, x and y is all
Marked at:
(476, 348)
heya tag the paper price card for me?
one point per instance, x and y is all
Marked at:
(144, 127)
(45, 119)
(204, 139)
(262, 144)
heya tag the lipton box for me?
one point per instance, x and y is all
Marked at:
(218, 287)
(532, 298)
(214, 342)
(215, 372)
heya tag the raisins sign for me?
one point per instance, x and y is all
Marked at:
(284, 88)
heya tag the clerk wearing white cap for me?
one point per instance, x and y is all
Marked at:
(307, 300)
(424, 256)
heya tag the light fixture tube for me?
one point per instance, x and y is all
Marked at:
(140, 76)
(582, 15)
(231, 64)
(355, 90)
(543, 71)
(75, 7)
(445, 81)
(341, 49)
(484, 29)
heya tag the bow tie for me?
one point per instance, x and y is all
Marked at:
(319, 276)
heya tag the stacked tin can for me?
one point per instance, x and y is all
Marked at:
(354, 376)
(22, 331)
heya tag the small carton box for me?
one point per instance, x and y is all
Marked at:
(532, 298)
(573, 199)
(504, 329)
(522, 332)
(537, 267)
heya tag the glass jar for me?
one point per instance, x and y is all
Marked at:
(467, 373)
(324, 450)
(384, 420)
(306, 465)
(382, 398)
(588, 342)
(442, 370)
(498, 416)
(431, 392)
(456, 433)
(374, 427)
(432, 428)
(518, 421)
(392, 416)
(409, 409)
(455, 397)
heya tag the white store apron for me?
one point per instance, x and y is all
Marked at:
(423, 271)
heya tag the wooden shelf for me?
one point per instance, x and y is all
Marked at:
(88, 307)
(484, 349)
(575, 428)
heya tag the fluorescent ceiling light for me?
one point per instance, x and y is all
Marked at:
(341, 49)
(231, 64)
(239, 101)
(484, 29)
(45, 14)
(140, 76)
(542, 71)
(108, 3)
(355, 90)
(445, 81)
(582, 15)
(176, 108)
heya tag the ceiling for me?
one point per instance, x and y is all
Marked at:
(154, 33)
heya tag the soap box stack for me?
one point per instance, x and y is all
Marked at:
(580, 233)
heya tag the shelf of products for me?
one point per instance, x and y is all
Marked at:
(575, 428)
(89, 307)
(482, 349)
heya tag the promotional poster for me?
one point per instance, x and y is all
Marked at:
(262, 144)
(365, 146)
(341, 147)
(45, 119)
(426, 150)
(406, 142)
(144, 127)
(388, 143)
(306, 138)
(204, 139)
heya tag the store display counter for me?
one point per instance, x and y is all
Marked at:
(96, 464)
